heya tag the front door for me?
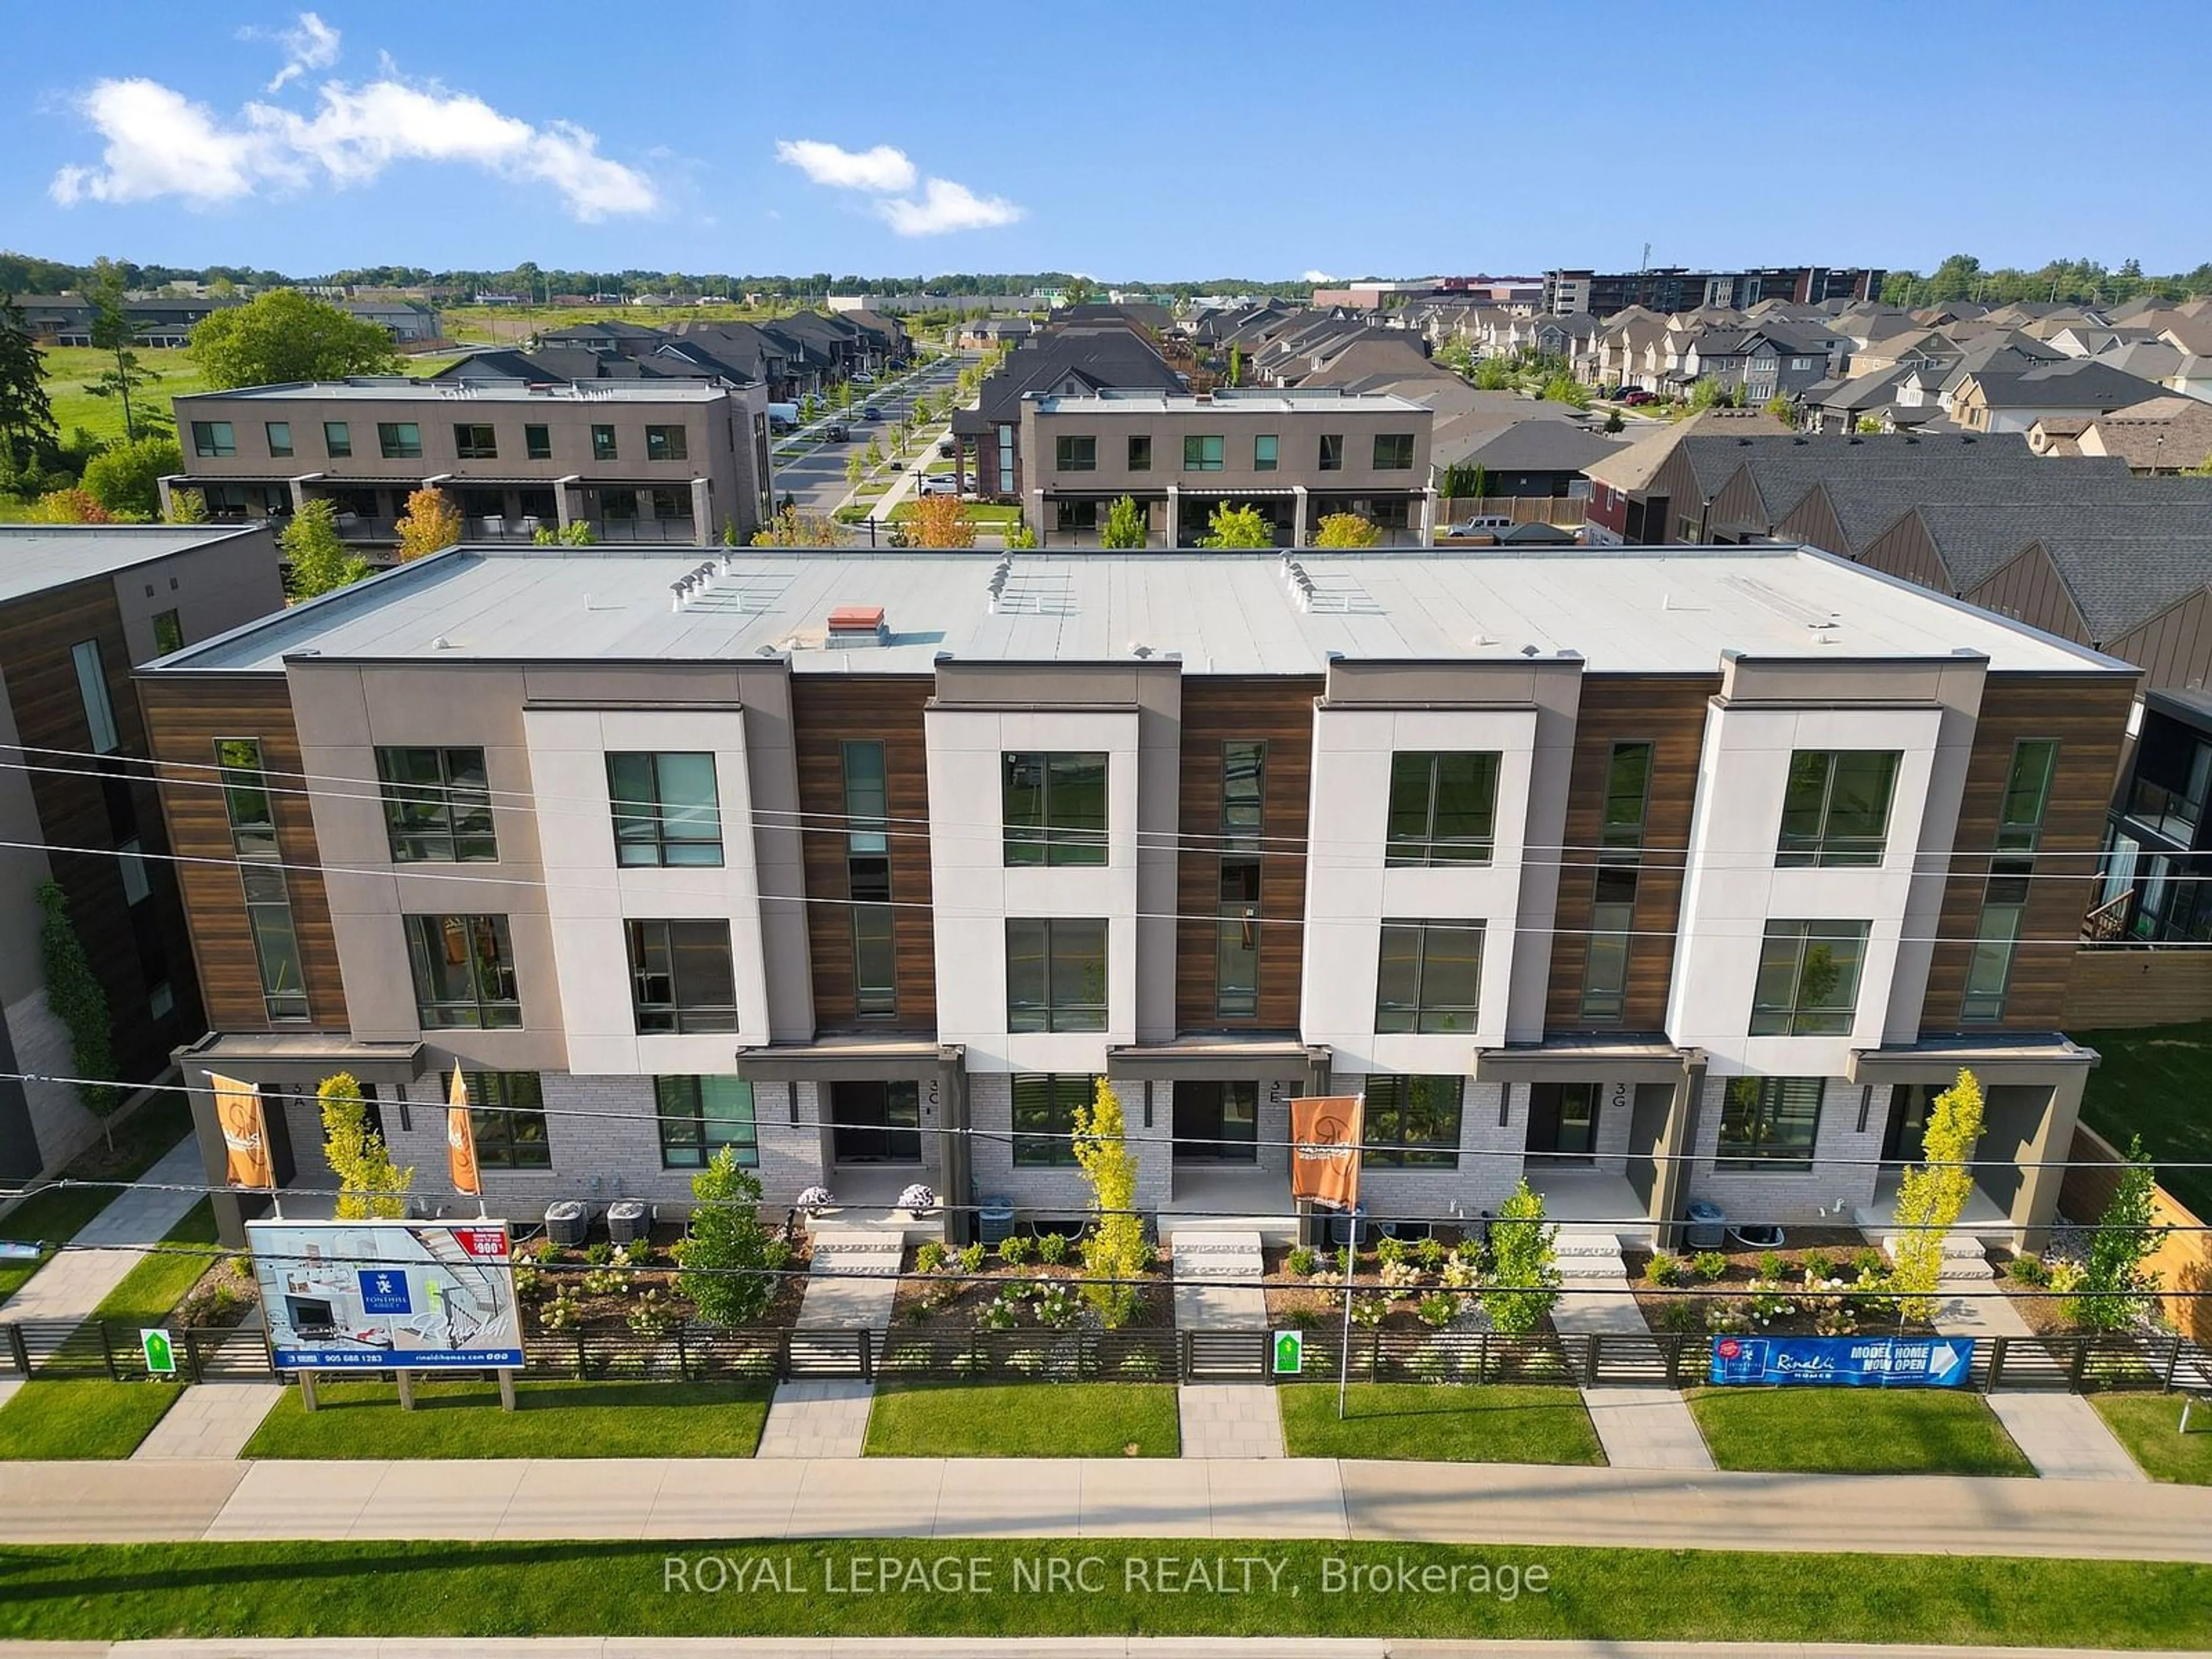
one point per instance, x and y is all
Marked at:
(1217, 1122)
(1563, 1122)
(876, 1123)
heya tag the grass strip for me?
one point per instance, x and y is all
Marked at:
(1855, 1431)
(2149, 1426)
(1021, 1420)
(552, 1419)
(150, 1292)
(1503, 1422)
(81, 1418)
(341, 1590)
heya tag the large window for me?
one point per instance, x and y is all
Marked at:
(1444, 807)
(1430, 978)
(665, 443)
(1836, 809)
(1202, 453)
(1056, 973)
(1331, 457)
(1006, 460)
(1237, 953)
(2004, 897)
(1808, 978)
(473, 442)
(1768, 1123)
(1140, 453)
(868, 876)
(1044, 1116)
(337, 439)
(700, 1115)
(603, 444)
(680, 976)
(537, 442)
(1413, 1123)
(666, 811)
(213, 440)
(464, 971)
(1613, 905)
(168, 633)
(399, 441)
(437, 805)
(246, 803)
(92, 692)
(279, 434)
(1265, 453)
(1055, 807)
(506, 1111)
(1393, 451)
(1076, 454)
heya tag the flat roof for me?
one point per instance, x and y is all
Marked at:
(1290, 401)
(397, 388)
(1624, 610)
(34, 557)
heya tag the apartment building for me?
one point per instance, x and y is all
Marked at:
(80, 605)
(659, 461)
(1668, 288)
(1297, 455)
(1654, 875)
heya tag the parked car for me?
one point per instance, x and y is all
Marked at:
(1636, 395)
(871, 412)
(939, 483)
(864, 379)
(835, 434)
(948, 444)
(1487, 524)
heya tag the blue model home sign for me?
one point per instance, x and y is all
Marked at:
(1881, 1362)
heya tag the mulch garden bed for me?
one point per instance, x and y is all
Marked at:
(594, 1288)
(953, 1301)
(1299, 1300)
(1767, 1290)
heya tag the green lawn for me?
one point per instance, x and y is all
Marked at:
(2153, 1082)
(152, 1289)
(1491, 1424)
(2148, 1426)
(1024, 1419)
(1855, 1431)
(122, 1592)
(69, 369)
(57, 1214)
(555, 1420)
(93, 1417)
(49, 1217)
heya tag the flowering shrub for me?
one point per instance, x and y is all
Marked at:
(1430, 1253)
(1400, 1275)
(562, 1311)
(1733, 1314)
(1001, 1313)
(1369, 1310)
(1770, 1301)
(528, 1280)
(1437, 1310)
(1055, 1305)
(651, 1317)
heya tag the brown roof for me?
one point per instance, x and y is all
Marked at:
(1635, 466)
(2157, 432)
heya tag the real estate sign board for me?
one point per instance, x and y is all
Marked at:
(1878, 1362)
(383, 1295)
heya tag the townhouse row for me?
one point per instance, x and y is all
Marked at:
(1657, 876)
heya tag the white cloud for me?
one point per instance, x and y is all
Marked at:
(160, 143)
(311, 44)
(882, 171)
(1318, 277)
(945, 206)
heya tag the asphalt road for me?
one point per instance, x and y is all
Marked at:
(814, 476)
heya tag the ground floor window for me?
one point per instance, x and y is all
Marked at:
(506, 1112)
(1044, 1117)
(1413, 1123)
(1769, 1122)
(700, 1115)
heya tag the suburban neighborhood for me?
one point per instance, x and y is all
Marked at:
(1511, 958)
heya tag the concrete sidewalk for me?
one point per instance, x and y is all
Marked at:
(72, 1285)
(1013, 1647)
(1074, 1497)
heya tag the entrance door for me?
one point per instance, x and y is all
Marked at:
(1907, 1128)
(1217, 1122)
(1563, 1122)
(876, 1123)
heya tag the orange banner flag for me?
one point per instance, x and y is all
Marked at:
(461, 1139)
(245, 1156)
(1325, 1131)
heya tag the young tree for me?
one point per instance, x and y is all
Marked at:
(76, 997)
(1233, 526)
(1020, 538)
(112, 330)
(187, 507)
(26, 419)
(1495, 375)
(1347, 530)
(1781, 408)
(1464, 480)
(1934, 1191)
(1613, 421)
(940, 521)
(371, 1187)
(127, 478)
(2115, 1285)
(1117, 1250)
(432, 521)
(1237, 365)
(730, 1259)
(1124, 525)
(72, 505)
(316, 557)
(283, 335)
(791, 528)
(1564, 388)
(1523, 1281)
(1457, 356)
(855, 468)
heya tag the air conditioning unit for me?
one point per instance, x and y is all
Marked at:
(567, 1220)
(627, 1221)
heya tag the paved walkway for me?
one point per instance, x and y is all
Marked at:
(1648, 1428)
(818, 1417)
(1218, 1274)
(211, 1420)
(828, 1417)
(1008, 1647)
(2063, 1437)
(72, 1285)
(1229, 1420)
(1083, 1498)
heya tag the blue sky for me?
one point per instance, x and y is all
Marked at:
(1140, 140)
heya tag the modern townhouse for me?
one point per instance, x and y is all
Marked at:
(1656, 877)
(987, 448)
(1297, 455)
(662, 461)
(80, 606)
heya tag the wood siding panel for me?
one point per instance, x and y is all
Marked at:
(186, 715)
(2088, 718)
(1278, 712)
(1812, 521)
(1670, 714)
(2029, 589)
(1905, 550)
(1738, 508)
(86, 801)
(827, 710)
(2115, 986)
(1673, 490)
(2173, 648)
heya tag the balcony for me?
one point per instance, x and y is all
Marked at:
(641, 529)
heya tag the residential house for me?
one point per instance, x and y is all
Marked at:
(1538, 457)
(1994, 399)
(1069, 363)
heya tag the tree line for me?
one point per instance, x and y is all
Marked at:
(2077, 282)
